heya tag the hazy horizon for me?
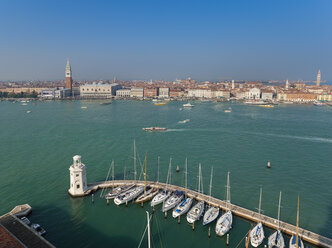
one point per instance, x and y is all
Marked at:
(212, 40)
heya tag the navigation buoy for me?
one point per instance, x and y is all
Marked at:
(177, 168)
(268, 165)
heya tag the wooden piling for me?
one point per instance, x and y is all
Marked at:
(227, 239)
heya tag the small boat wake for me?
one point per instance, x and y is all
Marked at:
(175, 130)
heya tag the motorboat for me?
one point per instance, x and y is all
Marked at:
(188, 105)
(196, 212)
(173, 200)
(319, 104)
(160, 197)
(228, 111)
(184, 121)
(26, 221)
(257, 235)
(128, 195)
(118, 190)
(210, 215)
(266, 106)
(154, 129)
(182, 208)
(38, 229)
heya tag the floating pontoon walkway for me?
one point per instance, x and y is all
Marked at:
(308, 236)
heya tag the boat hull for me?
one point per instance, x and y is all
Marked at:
(159, 198)
(224, 223)
(257, 235)
(173, 201)
(128, 195)
(292, 242)
(182, 208)
(148, 195)
(276, 240)
(196, 212)
(210, 215)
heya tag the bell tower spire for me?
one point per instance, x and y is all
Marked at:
(69, 81)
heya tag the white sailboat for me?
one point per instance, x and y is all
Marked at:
(295, 241)
(224, 223)
(196, 212)
(184, 206)
(276, 240)
(128, 195)
(212, 213)
(257, 233)
(148, 194)
(164, 194)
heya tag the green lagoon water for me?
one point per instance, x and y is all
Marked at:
(36, 150)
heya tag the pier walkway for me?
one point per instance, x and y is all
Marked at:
(308, 236)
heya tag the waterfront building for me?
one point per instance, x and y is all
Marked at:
(98, 90)
(233, 85)
(150, 92)
(175, 93)
(326, 96)
(200, 93)
(253, 93)
(240, 94)
(220, 94)
(296, 96)
(78, 182)
(267, 95)
(318, 79)
(163, 92)
(123, 93)
(23, 90)
(287, 85)
(137, 92)
(69, 81)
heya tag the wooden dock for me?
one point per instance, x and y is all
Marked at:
(308, 236)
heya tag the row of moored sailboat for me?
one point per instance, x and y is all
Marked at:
(181, 204)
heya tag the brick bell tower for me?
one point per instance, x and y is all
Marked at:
(69, 80)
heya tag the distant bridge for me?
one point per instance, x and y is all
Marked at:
(308, 236)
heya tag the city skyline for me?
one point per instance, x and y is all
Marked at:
(147, 40)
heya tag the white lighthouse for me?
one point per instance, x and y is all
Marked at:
(78, 183)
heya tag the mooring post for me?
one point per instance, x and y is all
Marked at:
(126, 203)
(265, 246)
(141, 204)
(193, 226)
(246, 240)
(179, 219)
(227, 240)
(92, 198)
(209, 233)
(165, 214)
(153, 209)
(108, 201)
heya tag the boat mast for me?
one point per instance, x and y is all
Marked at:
(135, 160)
(228, 192)
(199, 178)
(146, 157)
(149, 238)
(279, 211)
(211, 182)
(186, 173)
(260, 201)
(158, 170)
(297, 222)
(168, 180)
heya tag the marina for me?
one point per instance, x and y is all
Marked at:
(239, 211)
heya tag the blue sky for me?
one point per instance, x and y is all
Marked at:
(206, 40)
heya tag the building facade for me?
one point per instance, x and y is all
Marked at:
(98, 90)
(123, 93)
(163, 92)
(137, 92)
(253, 94)
(150, 92)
